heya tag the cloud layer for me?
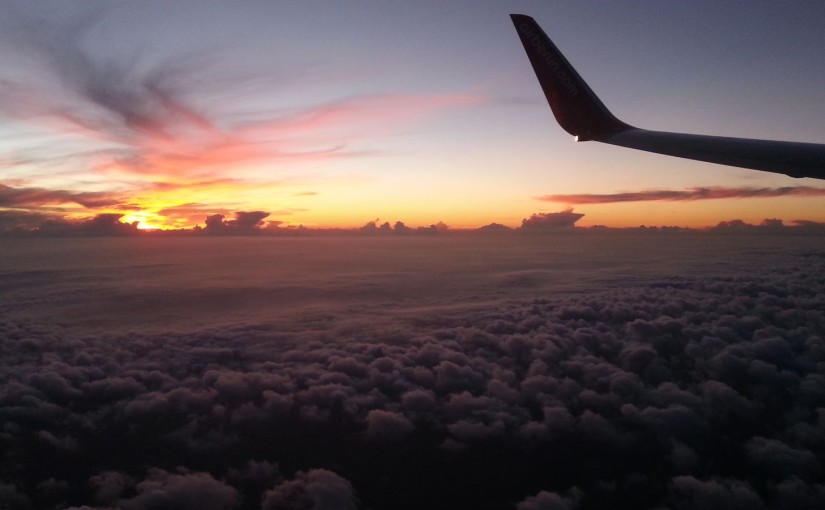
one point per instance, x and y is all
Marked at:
(689, 391)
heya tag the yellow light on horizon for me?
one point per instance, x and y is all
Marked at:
(145, 220)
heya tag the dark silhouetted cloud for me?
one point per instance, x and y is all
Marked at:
(107, 224)
(245, 222)
(13, 220)
(541, 221)
(249, 220)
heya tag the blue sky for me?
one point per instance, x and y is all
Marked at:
(337, 113)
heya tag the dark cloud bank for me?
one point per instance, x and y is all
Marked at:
(681, 393)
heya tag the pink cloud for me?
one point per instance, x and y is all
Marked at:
(361, 112)
(154, 115)
(158, 133)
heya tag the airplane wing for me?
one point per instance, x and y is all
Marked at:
(580, 112)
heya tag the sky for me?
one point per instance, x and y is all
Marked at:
(330, 114)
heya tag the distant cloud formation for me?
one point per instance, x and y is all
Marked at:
(244, 222)
(16, 223)
(684, 392)
(769, 225)
(690, 194)
(17, 220)
(107, 224)
(541, 221)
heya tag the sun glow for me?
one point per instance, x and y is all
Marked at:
(146, 220)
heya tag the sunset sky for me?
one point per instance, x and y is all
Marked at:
(333, 114)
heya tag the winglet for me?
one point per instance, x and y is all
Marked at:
(576, 108)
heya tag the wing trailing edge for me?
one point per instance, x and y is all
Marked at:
(582, 114)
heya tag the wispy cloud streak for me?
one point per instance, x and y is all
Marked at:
(154, 113)
(687, 195)
(28, 197)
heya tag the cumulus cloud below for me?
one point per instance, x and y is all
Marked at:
(662, 379)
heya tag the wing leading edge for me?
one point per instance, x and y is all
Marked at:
(580, 112)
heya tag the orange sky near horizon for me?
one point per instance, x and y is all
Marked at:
(469, 216)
